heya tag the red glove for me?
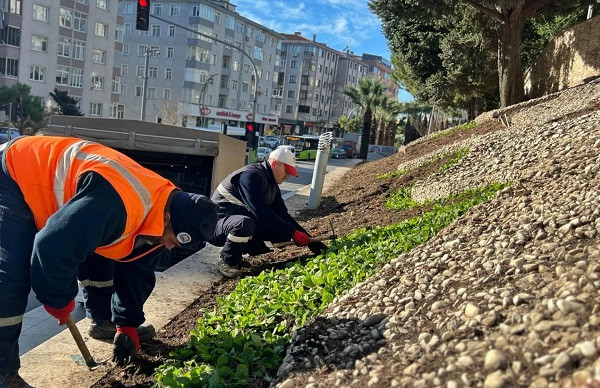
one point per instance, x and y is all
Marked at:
(61, 314)
(132, 333)
(300, 238)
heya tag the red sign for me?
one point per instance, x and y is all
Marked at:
(249, 117)
(205, 111)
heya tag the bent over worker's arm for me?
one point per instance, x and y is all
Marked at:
(95, 216)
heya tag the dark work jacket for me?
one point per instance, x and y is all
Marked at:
(252, 191)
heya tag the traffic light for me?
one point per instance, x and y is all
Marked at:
(143, 15)
(251, 134)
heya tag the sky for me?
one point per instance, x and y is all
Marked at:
(340, 24)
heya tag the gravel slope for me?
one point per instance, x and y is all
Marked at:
(507, 295)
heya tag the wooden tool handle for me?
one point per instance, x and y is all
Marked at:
(89, 360)
(313, 239)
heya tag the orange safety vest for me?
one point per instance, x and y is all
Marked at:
(47, 170)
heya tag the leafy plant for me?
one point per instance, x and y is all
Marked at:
(242, 341)
(394, 173)
(464, 127)
(455, 159)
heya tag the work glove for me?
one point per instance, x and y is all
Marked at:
(125, 344)
(317, 247)
(61, 314)
(300, 238)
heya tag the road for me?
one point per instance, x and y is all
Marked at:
(305, 173)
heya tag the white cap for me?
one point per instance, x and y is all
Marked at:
(287, 157)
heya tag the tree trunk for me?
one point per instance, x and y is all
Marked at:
(509, 56)
(380, 133)
(366, 133)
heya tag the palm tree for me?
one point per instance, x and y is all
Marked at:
(388, 111)
(366, 95)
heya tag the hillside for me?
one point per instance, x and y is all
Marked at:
(507, 295)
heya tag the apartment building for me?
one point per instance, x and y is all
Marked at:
(306, 82)
(67, 45)
(193, 80)
(350, 70)
(381, 69)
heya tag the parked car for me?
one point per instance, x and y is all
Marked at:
(7, 134)
(262, 153)
(338, 153)
(269, 141)
(350, 150)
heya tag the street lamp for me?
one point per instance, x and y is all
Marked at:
(201, 105)
(147, 53)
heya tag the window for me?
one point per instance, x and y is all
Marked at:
(303, 95)
(97, 83)
(125, 48)
(293, 64)
(249, 32)
(39, 43)
(152, 72)
(11, 36)
(123, 90)
(226, 62)
(79, 49)
(258, 53)
(224, 81)
(36, 73)
(127, 29)
(139, 71)
(138, 91)
(234, 85)
(175, 10)
(79, 21)
(155, 30)
(157, 9)
(102, 4)
(289, 109)
(203, 10)
(166, 94)
(62, 75)
(245, 87)
(14, 6)
(293, 79)
(303, 109)
(65, 18)
(76, 78)
(119, 34)
(95, 109)
(170, 52)
(141, 50)
(168, 73)
(151, 94)
(99, 56)
(124, 69)
(116, 85)
(40, 13)
(64, 47)
(235, 66)
(229, 22)
(239, 27)
(128, 8)
(101, 29)
(171, 30)
(246, 68)
(291, 94)
(117, 111)
(260, 36)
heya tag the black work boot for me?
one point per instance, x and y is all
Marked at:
(232, 271)
(106, 330)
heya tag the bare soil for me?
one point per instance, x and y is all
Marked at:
(357, 201)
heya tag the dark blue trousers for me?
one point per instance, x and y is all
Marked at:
(237, 235)
(17, 231)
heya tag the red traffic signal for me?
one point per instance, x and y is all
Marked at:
(143, 15)
(249, 127)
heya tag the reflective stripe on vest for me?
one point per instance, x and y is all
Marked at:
(238, 239)
(74, 152)
(229, 197)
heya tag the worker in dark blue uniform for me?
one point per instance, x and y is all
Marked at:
(252, 211)
(64, 199)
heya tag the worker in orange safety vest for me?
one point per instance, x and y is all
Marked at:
(63, 200)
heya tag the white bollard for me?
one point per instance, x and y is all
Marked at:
(316, 187)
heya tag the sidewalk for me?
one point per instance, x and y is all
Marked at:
(57, 362)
